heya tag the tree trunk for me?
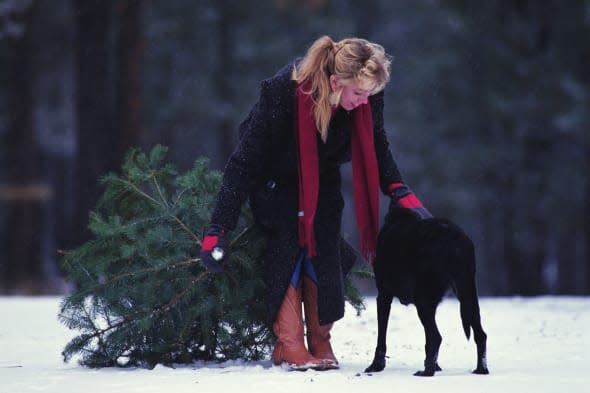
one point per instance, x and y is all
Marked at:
(20, 258)
(97, 147)
(130, 47)
(228, 11)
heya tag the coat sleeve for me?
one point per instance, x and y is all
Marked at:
(388, 170)
(247, 161)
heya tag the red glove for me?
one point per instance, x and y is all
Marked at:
(214, 248)
(404, 197)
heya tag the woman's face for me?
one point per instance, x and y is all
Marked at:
(352, 95)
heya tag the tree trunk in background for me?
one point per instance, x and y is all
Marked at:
(20, 258)
(228, 17)
(97, 149)
(130, 47)
(586, 251)
(531, 120)
(584, 60)
(584, 75)
(492, 262)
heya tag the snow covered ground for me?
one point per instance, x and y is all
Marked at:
(534, 345)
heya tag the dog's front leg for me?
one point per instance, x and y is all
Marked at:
(383, 310)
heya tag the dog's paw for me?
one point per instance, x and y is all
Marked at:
(424, 373)
(481, 371)
(376, 366)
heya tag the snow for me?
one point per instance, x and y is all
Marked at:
(534, 345)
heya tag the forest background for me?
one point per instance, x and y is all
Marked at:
(487, 113)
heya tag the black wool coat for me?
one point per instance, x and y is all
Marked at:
(263, 169)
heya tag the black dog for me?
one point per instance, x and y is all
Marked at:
(417, 261)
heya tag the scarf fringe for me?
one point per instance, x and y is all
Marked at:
(368, 246)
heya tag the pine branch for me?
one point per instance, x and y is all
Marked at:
(187, 229)
(162, 197)
(136, 190)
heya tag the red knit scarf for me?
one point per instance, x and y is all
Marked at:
(365, 174)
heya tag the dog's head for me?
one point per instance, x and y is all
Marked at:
(397, 214)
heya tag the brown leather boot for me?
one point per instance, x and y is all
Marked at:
(318, 336)
(288, 327)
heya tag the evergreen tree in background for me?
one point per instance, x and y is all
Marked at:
(141, 296)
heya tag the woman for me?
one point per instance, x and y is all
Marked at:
(312, 116)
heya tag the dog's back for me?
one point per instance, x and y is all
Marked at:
(421, 258)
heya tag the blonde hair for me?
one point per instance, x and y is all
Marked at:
(350, 60)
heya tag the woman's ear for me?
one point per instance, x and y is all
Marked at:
(334, 82)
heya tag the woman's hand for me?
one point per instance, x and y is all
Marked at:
(404, 197)
(214, 248)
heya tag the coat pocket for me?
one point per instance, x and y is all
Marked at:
(272, 205)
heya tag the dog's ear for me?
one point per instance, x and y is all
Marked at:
(395, 208)
(392, 212)
(392, 206)
(396, 213)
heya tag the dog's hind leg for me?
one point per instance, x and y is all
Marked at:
(383, 309)
(481, 341)
(479, 336)
(466, 289)
(426, 313)
(470, 315)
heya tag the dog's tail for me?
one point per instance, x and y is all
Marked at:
(466, 289)
(469, 308)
